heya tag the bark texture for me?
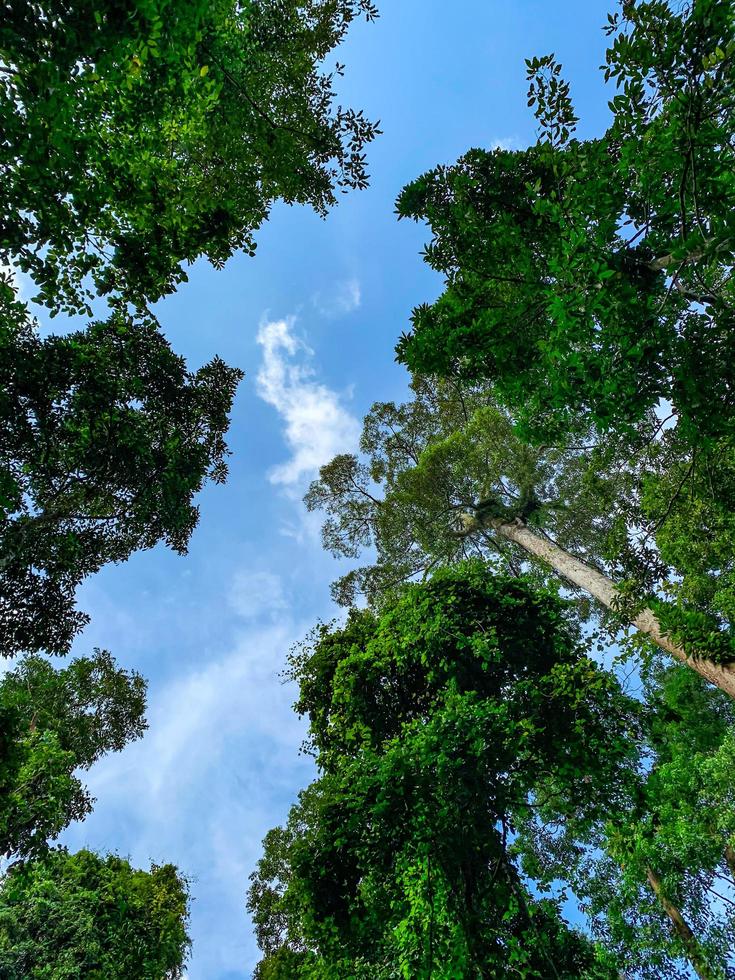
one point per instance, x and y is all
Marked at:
(730, 858)
(605, 591)
(681, 927)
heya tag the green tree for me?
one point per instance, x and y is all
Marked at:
(687, 505)
(136, 138)
(140, 135)
(657, 877)
(54, 723)
(67, 916)
(106, 440)
(433, 724)
(446, 476)
(590, 279)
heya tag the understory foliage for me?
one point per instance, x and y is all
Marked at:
(68, 916)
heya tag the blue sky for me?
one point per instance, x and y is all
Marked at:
(313, 320)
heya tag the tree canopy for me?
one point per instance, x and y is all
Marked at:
(656, 876)
(106, 439)
(589, 286)
(446, 453)
(432, 725)
(136, 138)
(446, 476)
(572, 409)
(589, 279)
(476, 769)
(140, 135)
(84, 915)
(55, 722)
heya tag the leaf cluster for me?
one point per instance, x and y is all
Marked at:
(139, 136)
(589, 279)
(107, 437)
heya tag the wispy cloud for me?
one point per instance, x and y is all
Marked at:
(193, 718)
(344, 298)
(505, 143)
(257, 594)
(317, 426)
(218, 766)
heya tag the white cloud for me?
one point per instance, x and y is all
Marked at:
(316, 424)
(345, 298)
(506, 143)
(193, 718)
(256, 594)
(215, 771)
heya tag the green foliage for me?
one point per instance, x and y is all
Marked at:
(697, 632)
(55, 722)
(432, 724)
(688, 504)
(589, 279)
(67, 916)
(678, 821)
(140, 135)
(137, 136)
(587, 284)
(437, 469)
(106, 440)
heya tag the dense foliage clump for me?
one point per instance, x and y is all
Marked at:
(54, 723)
(434, 725)
(589, 279)
(140, 135)
(84, 915)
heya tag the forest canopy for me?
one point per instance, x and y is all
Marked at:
(522, 722)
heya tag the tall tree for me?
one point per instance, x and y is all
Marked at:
(140, 135)
(590, 279)
(67, 916)
(106, 439)
(54, 723)
(432, 725)
(446, 476)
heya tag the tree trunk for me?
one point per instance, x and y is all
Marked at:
(730, 858)
(689, 940)
(604, 590)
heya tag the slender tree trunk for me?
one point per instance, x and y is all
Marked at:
(730, 858)
(681, 927)
(605, 591)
